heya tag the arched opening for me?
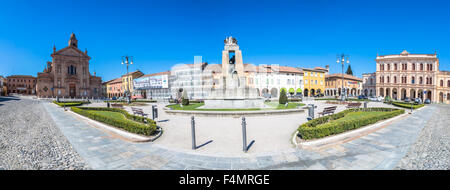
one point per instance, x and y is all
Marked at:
(353, 91)
(306, 92)
(394, 94)
(412, 94)
(319, 92)
(274, 92)
(403, 94)
(420, 94)
(429, 95)
(291, 91)
(313, 92)
(265, 92)
(441, 97)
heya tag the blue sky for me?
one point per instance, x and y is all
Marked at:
(160, 33)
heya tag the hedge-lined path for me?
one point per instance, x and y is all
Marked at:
(380, 150)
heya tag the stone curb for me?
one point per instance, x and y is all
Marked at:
(233, 113)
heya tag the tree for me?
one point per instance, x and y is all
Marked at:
(184, 99)
(283, 98)
(349, 70)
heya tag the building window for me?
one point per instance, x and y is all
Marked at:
(412, 80)
(395, 66)
(395, 79)
(388, 80)
(72, 70)
(420, 80)
(388, 67)
(413, 66)
(442, 83)
(421, 66)
(448, 83)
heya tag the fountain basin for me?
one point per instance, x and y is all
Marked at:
(235, 103)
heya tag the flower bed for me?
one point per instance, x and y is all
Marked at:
(344, 121)
(407, 105)
(131, 123)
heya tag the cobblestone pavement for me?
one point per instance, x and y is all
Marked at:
(382, 149)
(432, 149)
(30, 140)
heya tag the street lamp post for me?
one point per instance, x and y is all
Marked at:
(342, 59)
(125, 60)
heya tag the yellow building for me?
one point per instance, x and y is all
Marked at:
(314, 81)
(127, 80)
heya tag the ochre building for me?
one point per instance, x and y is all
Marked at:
(334, 84)
(67, 75)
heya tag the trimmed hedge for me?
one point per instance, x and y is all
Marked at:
(283, 98)
(407, 105)
(134, 124)
(70, 103)
(114, 101)
(320, 127)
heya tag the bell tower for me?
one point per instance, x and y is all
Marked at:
(73, 42)
(232, 65)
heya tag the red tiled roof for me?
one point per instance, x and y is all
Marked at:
(338, 75)
(156, 74)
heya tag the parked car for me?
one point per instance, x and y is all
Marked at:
(114, 98)
(418, 101)
(299, 95)
(318, 95)
(427, 101)
(407, 99)
(266, 95)
(362, 97)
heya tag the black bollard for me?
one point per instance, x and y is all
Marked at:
(194, 146)
(244, 135)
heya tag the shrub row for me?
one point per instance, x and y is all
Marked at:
(294, 100)
(134, 124)
(114, 101)
(407, 105)
(70, 103)
(320, 127)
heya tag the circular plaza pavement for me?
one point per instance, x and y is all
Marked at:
(392, 147)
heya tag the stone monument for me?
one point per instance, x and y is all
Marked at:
(233, 91)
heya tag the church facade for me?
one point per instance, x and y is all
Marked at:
(67, 75)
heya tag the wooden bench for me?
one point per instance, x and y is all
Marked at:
(117, 106)
(328, 110)
(138, 111)
(354, 105)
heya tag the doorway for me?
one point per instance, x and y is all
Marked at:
(72, 90)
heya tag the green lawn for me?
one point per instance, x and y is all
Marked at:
(116, 115)
(273, 105)
(188, 107)
(276, 105)
(355, 115)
